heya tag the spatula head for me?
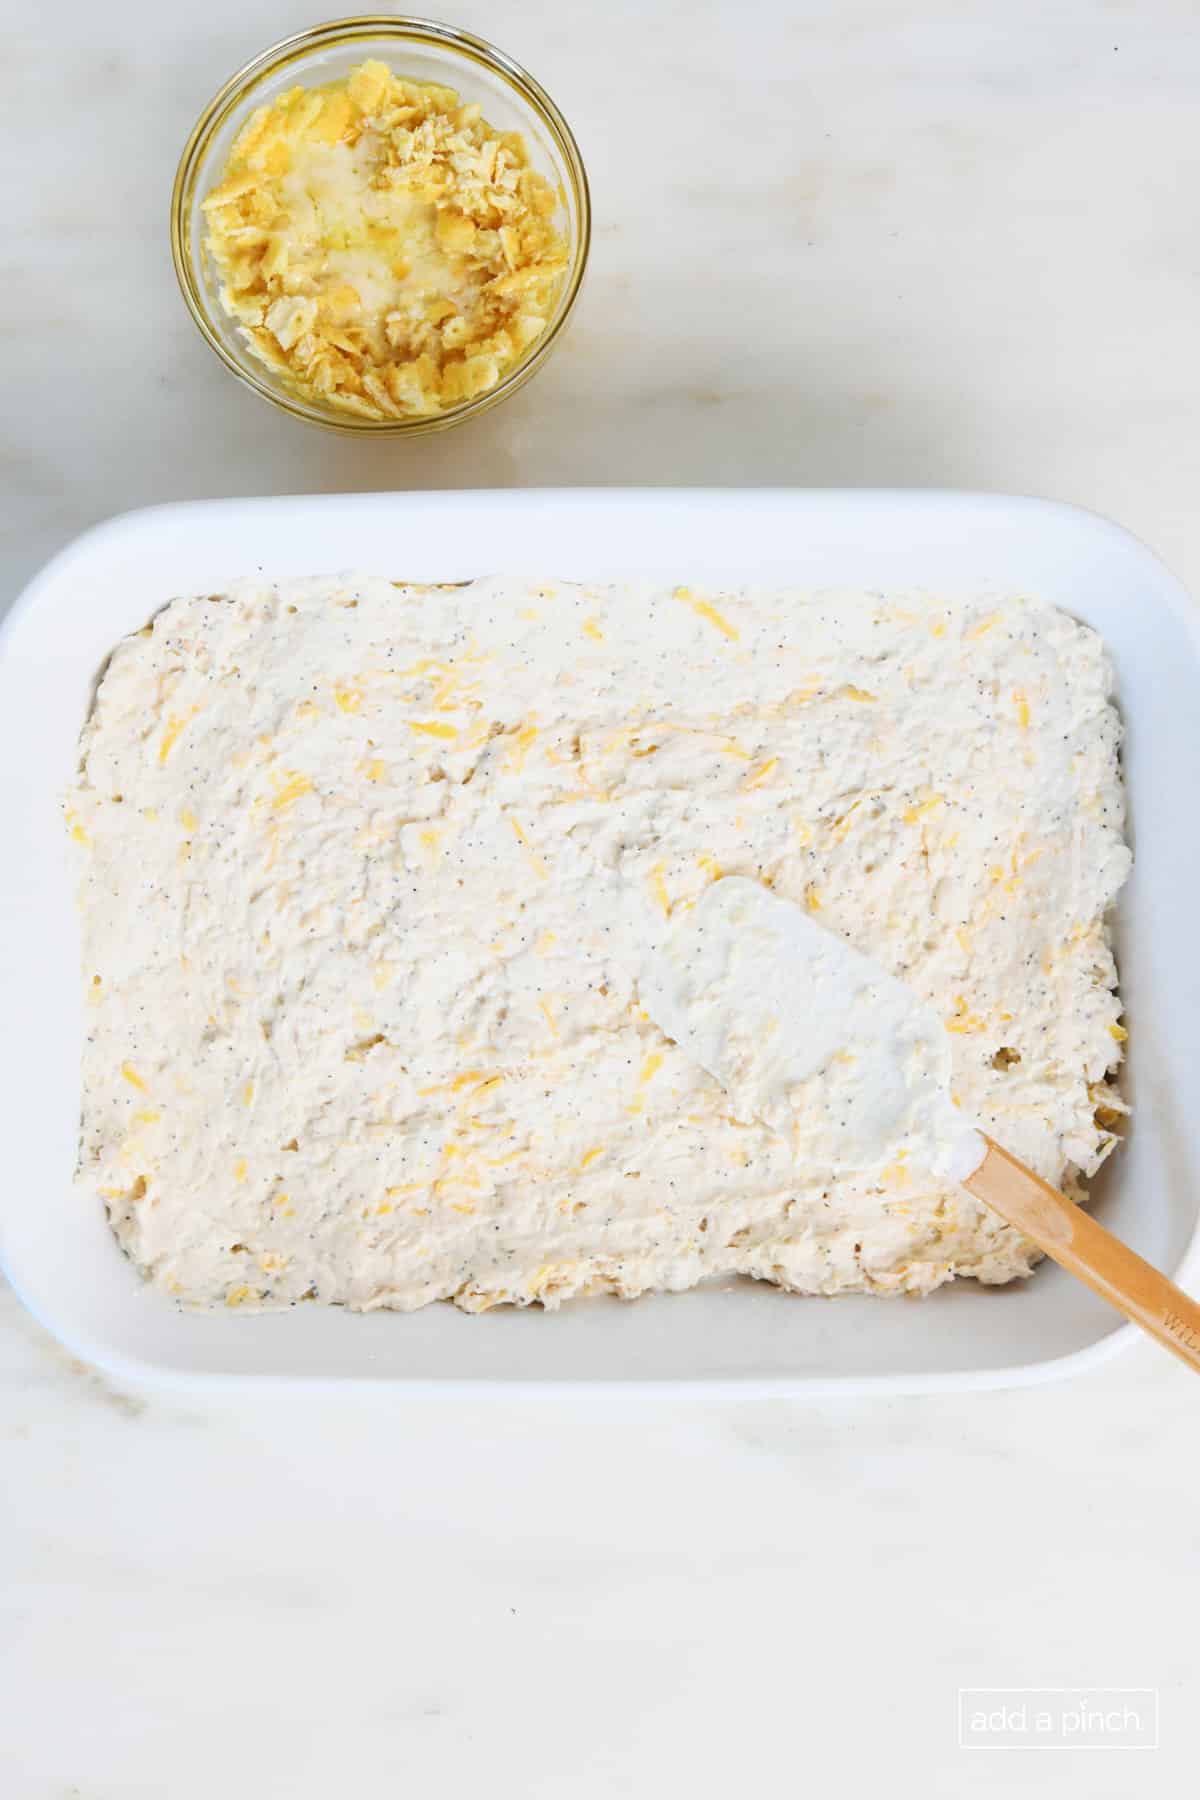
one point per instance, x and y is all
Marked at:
(803, 1031)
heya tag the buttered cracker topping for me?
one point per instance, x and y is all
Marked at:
(382, 247)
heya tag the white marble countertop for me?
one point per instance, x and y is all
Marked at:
(912, 242)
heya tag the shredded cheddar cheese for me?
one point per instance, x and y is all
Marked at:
(434, 728)
(704, 609)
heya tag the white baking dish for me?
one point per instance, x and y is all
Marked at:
(56, 1244)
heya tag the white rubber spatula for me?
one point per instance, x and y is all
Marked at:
(850, 1067)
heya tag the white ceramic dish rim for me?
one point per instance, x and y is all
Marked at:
(681, 524)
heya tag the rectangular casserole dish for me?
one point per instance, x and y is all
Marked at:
(57, 1247)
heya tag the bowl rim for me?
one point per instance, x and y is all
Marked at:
(404, 28)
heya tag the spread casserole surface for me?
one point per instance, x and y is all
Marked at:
(357, 861)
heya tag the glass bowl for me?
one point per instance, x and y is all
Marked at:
(423, 51)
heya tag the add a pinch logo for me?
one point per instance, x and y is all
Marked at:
(1058, 1718)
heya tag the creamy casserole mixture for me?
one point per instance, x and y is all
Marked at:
(364, 868)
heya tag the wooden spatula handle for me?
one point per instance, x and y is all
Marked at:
(1073, 1238)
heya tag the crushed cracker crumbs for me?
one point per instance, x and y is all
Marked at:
(383, 248)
